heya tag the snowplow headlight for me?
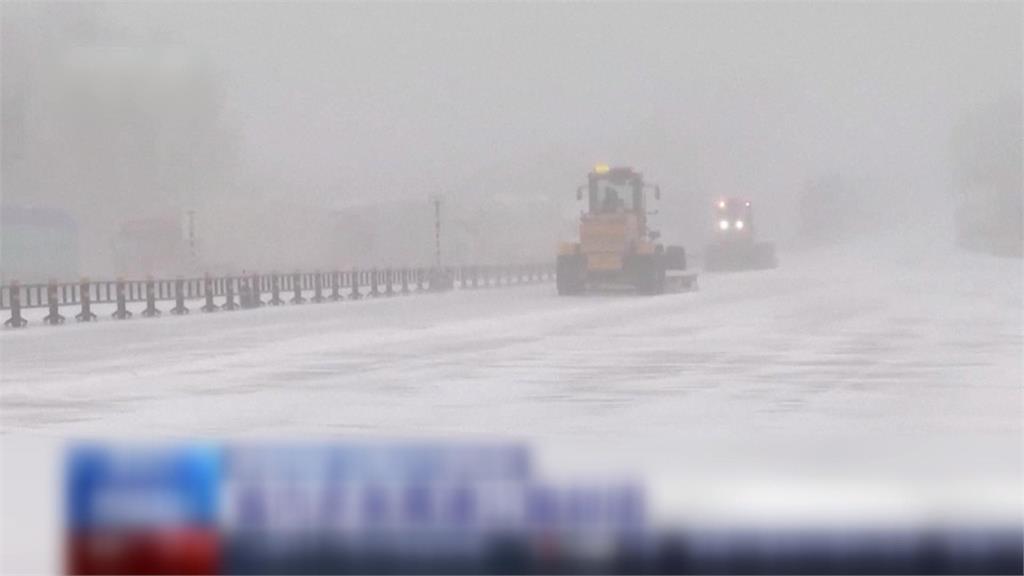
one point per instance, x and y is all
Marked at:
(723, 224)
(721, 204)
(739, 224)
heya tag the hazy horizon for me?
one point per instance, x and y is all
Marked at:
(258, 116)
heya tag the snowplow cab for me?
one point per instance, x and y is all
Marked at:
(616, 247)
(734, 246)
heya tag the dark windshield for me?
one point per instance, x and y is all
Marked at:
(612, 196)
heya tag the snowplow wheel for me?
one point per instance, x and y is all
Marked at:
(650, 274)
(675, 258)
(570, 275)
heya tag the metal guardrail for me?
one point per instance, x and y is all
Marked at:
(253, 290)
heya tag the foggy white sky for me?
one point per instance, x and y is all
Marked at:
(400, 98)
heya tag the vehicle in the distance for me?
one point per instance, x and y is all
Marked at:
(735, 245)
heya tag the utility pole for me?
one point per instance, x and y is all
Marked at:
(440, 279)
(192, 237)
(437, 231)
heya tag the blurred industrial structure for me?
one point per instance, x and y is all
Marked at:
(989, 187)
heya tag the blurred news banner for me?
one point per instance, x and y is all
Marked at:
(437, 508)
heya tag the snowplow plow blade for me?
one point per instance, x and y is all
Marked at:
(650, 275)
(680, 281)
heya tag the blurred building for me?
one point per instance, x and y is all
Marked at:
(474, 230)
(150, 246)
(106, 128)
(829, 210)
(989, 214)
(37, 244)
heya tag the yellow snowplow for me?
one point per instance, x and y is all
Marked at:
(616, 247)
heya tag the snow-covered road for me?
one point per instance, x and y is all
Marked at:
(929, 345)
(848, 363)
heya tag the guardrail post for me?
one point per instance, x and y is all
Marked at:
(85, 297)
(179, 297)
(53, 302)
(389, 282)
(297, 289)
(255, 293)
(275, 290)
(16, 320)
(355, 295)
(404, 273)
(122, 312)
(441, 279)
(245, 292)
(419, 279)
(335, 286)
(208, 292)
(318, 287)
(150, 310)
(374, 291)
(229, 294)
